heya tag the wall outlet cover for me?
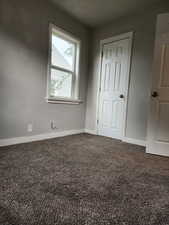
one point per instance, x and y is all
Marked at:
(30, 127)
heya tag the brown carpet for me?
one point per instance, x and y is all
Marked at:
(82, 180)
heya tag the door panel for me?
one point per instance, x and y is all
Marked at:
(117, 76)
(117, 108)
(163, 123)
(107, 76)
(158, 126)
(114, 82)
(105, 113)
(164, 81)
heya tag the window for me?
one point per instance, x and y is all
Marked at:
(63, 66)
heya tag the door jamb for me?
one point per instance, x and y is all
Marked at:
(128, 35)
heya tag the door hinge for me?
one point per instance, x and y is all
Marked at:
(99, 89)
(102, 54)
(97, 121)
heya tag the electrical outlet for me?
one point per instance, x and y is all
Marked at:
(53, 125)
(30, 127)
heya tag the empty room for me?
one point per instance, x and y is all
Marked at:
(84, 112)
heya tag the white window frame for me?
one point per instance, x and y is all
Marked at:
(74, 99)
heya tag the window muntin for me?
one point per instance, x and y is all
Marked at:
(64, 65)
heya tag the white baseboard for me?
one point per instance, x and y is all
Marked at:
(157, 151)
(134, 141)
(90, 131)
(125, 139)
(39, 137)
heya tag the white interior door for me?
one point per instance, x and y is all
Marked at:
(158, 128)
(114, 88)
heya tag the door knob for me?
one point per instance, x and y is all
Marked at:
(121, 96)
(154, 94)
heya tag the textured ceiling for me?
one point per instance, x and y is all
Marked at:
(97, 12)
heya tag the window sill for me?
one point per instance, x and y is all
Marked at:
(63, 101)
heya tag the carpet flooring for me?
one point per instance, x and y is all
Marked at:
(82, 180)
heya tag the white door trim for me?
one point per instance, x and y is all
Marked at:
(128, 35)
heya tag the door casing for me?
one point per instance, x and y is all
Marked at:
(129, 36)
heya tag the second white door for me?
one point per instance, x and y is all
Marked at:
(158, 125)
(114, 88)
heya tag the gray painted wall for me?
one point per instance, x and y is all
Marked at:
(143, 26)
(23, 69)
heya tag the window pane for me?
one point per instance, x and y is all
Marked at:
(63, 53)
(61, 84)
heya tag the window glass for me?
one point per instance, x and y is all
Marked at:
(61, 84)
(63, 53)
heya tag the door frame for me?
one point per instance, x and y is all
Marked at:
(128, 35)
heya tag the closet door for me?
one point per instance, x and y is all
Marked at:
(114, 86)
